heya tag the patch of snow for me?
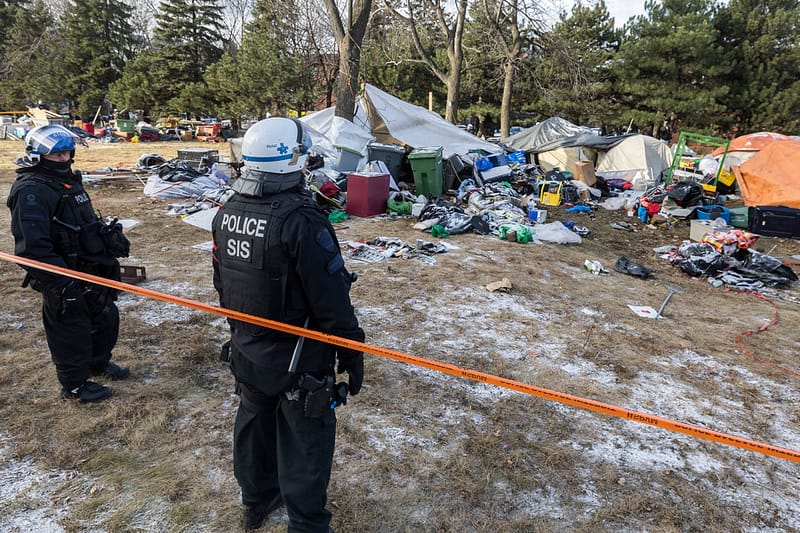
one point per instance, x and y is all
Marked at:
(27, 494)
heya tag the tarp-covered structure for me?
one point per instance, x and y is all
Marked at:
(771, 177)
(564, 158)
(390, 120)
(642, 153)
(533, 139)
(558, 143)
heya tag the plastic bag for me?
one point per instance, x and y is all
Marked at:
(522, 234)
(439, 231)
(401, 208)
(558, 233)
(337, 216)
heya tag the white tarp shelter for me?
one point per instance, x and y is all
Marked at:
(390, 120)
(647, 155)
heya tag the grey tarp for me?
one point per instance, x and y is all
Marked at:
(556, 132)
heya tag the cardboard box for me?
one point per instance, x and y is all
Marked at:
(584, 171)
(700, 228)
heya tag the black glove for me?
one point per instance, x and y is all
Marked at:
(352, 362)
(116, 243)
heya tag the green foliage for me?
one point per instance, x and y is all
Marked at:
(387, 61)
(96, 34)
(279, 66)
(190, 32)
(670, 69)
(8, 14)
(26, 74)
(763, 46)
(694, 64)
(223, 81)
(169, 78)
(146, 84)
(573, 67)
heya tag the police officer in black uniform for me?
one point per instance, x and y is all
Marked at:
(277, 256)
(53, 221)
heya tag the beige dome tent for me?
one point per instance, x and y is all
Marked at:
(637, 153)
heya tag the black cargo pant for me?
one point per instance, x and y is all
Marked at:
(277, 448)
(81, 334)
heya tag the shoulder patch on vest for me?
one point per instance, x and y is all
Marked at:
(325, 240)
(30, 208)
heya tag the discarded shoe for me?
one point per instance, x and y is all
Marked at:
(622, 225)
(583, 231)
(254, 516)
(115, 372)
(88, 392)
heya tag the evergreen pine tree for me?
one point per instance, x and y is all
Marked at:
(8, 14)
(97, 44)
(189, 33)
(763, 46)
(26, 75)
(574, 70)
(280, 64)
(671, 69)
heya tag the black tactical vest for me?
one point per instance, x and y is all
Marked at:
(247, 231)
(74, 228)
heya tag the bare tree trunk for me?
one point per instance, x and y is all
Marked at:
(453, 96)
(450, 74)
(347, 80)
(349, 37)
(505, 102)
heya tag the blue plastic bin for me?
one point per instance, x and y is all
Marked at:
(713, 212)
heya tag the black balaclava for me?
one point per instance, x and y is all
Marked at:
(59, 168)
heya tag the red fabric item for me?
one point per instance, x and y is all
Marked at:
(329, 189)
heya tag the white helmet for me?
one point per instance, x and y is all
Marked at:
(276, 145)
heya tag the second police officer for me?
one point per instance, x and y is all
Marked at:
(276, 256)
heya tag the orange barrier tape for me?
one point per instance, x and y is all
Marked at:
(576, 401)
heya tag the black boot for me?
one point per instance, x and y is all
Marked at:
(255, 515)
(114, 371)
(87, 392)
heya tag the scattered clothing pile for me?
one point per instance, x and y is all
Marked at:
(726, 258)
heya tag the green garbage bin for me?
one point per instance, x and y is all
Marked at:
(126, 125)
(426, 165)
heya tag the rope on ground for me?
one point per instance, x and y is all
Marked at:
(741, 336)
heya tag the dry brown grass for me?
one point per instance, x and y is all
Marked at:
(417, 450)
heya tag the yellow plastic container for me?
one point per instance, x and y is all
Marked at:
(551, 193)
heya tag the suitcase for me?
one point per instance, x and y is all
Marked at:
(775, 221)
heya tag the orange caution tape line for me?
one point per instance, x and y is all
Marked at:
(576, 401)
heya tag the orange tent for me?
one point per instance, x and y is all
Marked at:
(752, 142)
(771, 177)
